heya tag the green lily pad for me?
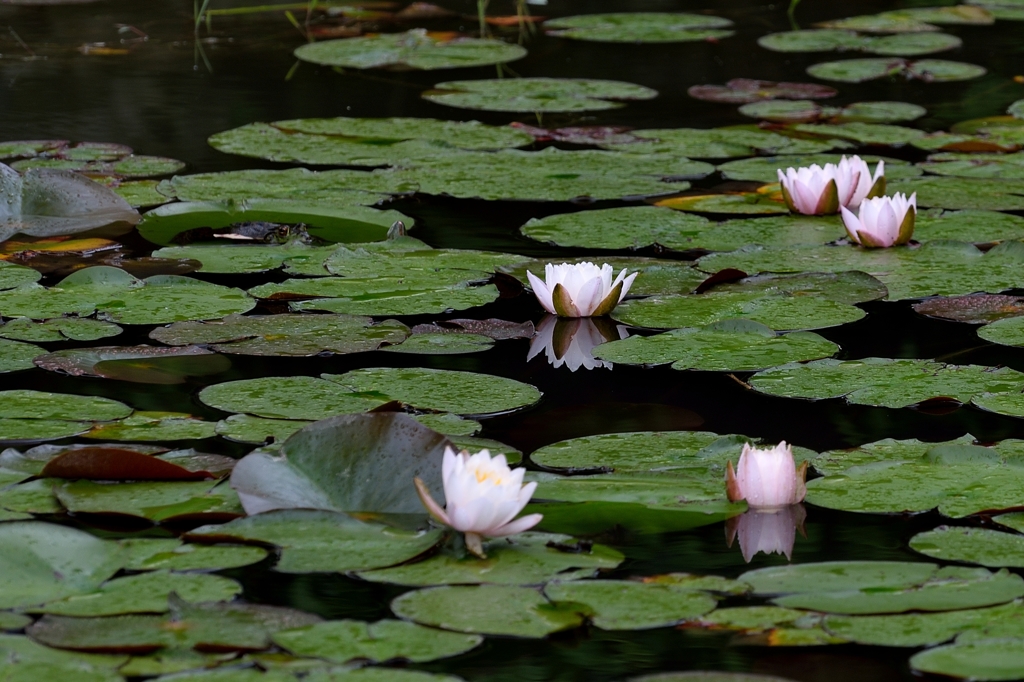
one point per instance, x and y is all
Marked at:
(849, 287)
(923, 629)
(371, 674)
(1006, 332)
(301, 335)
(626, 605)
(415, 49)
(443, 344)
(1010, 404)
(245, 258)
(218, 626)
(448, 424)
(782, 312)
(728, 346)
(341, 641)
(971, 545)
(466, 134)
(299, 397)
(594, 518)
(138, 193)
(155, 426)
(327, 465)
(823, 40)
(927, 70)
(155, 501)
(486, 609)
(139, 364)
(976, 226)
(640, 27)
(12, 276)
(764, 169)
(640, 452)
(863, 133)
(618, 228)
(131, 166)
(39, 405)
(997, 659)
(143, 593)
(120, 297)
(410, 258)
(805, 111)
(58, 329)
(380, 296)
(154, 554)
(1016, 109)
(956, 14)
(884, 382)
(245, 428)
(524, 559)
(1002, 166)
(304, 189)
(351, 223)
(752, 203)
(880, 23)
(15, 355)
(974, 309)
(718, 143)
(323, 541)
(537, 94)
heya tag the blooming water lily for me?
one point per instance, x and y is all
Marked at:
(772, 531)
(571, 342)
(882, 222)
(580, 289)
(483, 496)
(821, 191)
(766, 478)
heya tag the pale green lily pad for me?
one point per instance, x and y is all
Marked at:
(803, 111)
(185, 661)
(863, 133)
(414, 49)
(245, 428)
(13, 621)
(627, 605)
(138, 193)
(884, 382)
(12, 276)
(15, 355)
(971, 545)
(779, 312)
(486, 609)
(144, 593)
(1010, 404)
(1014, 520)
(958, 193)
(410, 258)
(730, 203)
(824, 40)
(19, 650)
(968, 226)
(120, 297)
(848, 287)
(465, 134)
(968, 14)
(335, 223)
(524, 559)
(448, 424)
(719, 143)
(341, 641)
(640, 27)
(245, 258)
(765, 169)
(880, 23)
(154, 554)
(443, 344)
(927, 70)
(924, 629)
(338, 189)
(155, 426)
(996, 659)
(58, 329)
(999, 166)
(618, 228)
(299, 335)
(39, 405)
(33, 497)
(154, 501)
(1007, 332)
(537, 94)
(300, 397)
(323, 541)
(728, 346)
(381, 296)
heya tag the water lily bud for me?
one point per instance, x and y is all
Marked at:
(822, 191)
(766, 478)
(856, 183)
(483, 496)
(571, 342)
(883, 221)
(580, 289)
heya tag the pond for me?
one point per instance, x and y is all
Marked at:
(263, 262)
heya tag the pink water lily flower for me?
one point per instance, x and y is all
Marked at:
(580, 289)
(815, 190)
(483, 496)
(766, 478)
(882, 222)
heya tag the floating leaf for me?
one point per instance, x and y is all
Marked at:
(626, 605)
(339, 189)
(15, 355)
(728, 346)
(927, 70)
(718, 143)
(823, 40)
(896, 22)
(976, 309)
(996, 659)
(245, 428)
(410, 258)
(922, 629)
(743, 90)
(486, 609)
(806, 111)
(1016, 109)
(415, 49)
(107, 463)
(957, 14)
(849, 287)
(617, 228)
(140, 364)
(525, 559)
(640, 27)
(155, 426)
(322, 541)
(537, 94)
(756, 203)
(58, 329)
(154, 554)
(341, 641)
(971, 545)
(766, 169)
(157, 501)
(443, 344)
(143, 593)
(863, 133)
(297, 397)
(1006, 332)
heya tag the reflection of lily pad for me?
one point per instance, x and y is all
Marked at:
(640, 27)
(414, 49)
(537, 94)
(344, 640)
(927, 70)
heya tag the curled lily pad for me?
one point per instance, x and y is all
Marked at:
(143, 593)
(977, 309)
(525, 559)
(754, 203)
(640, 27)
(140, 364)
(487, 609)
(415, 49)
(341, 641)
(628, 605)
(927, 70)
(322, 541)
(58, 329)
(971, 545)
(902, 45)
(537, 94)
(743, 90)
(155, 501)
(300, 335)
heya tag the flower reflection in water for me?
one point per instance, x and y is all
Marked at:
(772, 531)
(570, 341)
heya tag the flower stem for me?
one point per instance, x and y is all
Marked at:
(791, 13)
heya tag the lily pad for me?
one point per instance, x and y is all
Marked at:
(627, 605)
(1006, 332)
(15, 355)
(957, 14)
(341, 641)
(112, 463)
(1016, 109)
(371, 674)
(884, 382)
(525, 559)
(754, 203)
(246, 258)
(245, 428)
(334, 188)
(323, 541)
(415, 49)
(975, 309)
(140, 364)
(806, 111)
(351, 223)
(274, 335)
(971, 545)
(443, 344)
(718, 143)
(707, 676)
(487, 609)
(58, 329)
(381, 296)
(299, 397)
(537, 94)
(996, 659)
(410, 258)
(927, 70)
(766, 169)
(823, 40)
(640, 27)
(155, 426)
(923, 629)
(617, 228)
(728, 346)
(143, 593)
(863, 133)
(849, 287)
(745, 90)
(881, 23)
(149, 554)
(155, 501)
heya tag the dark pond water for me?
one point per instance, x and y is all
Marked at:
(168, 95)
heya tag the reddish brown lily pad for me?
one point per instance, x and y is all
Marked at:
(580, 134)
(107, 463)
(972, 309)
(745, 90)
(499, 330)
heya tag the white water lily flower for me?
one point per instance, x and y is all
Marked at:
(772, 531)
(580, 289)
(571, 342)
(483, 496)
(815, 190)
(882, 222)
(766, 478)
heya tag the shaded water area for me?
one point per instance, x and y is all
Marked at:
(167, 95)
